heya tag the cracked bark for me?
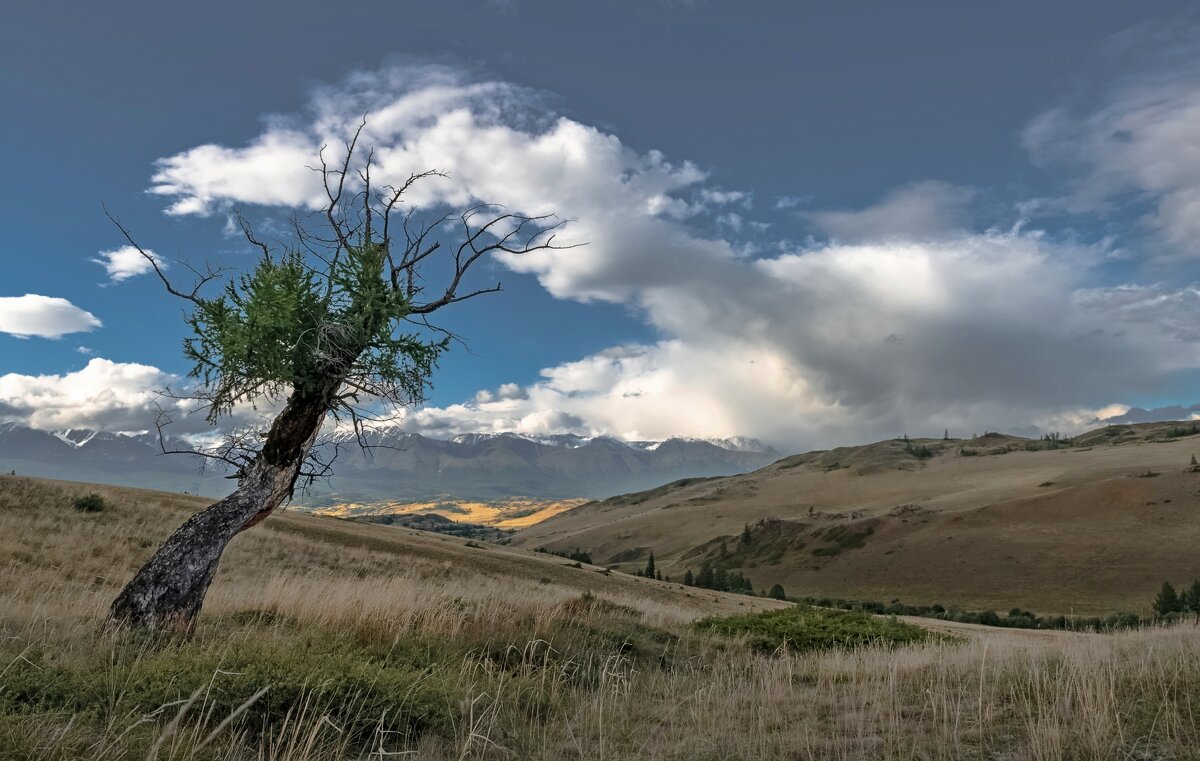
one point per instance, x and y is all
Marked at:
(169, 589)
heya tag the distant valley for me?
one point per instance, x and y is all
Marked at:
(478, 519)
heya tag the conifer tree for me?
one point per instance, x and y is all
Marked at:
(650, 566)
(1167, 601)
(1192, 599)
(688, 579)
(777, 592)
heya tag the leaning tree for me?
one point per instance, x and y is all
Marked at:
(329, 325)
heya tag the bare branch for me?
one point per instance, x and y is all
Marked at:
(249, 233)
(516, 241)
(397, 193)
(202, 278)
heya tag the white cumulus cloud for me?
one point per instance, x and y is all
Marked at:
(126, 262)
(43, 316)
(848, 343)
(104, 394)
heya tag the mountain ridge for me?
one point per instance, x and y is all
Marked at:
(397, 465)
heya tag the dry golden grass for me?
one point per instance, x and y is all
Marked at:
(492, 653)
(323, 568)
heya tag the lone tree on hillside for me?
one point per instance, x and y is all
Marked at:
(328, 326)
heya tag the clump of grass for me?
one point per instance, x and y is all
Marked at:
(262, 679)
(803, 628)
(839, 539)
(89, 503)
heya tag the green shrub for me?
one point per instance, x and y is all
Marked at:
(804, 628)
(89, 503)
(1017, 618)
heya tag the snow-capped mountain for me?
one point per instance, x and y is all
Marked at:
(574, 441)
(398, 465)
(495, 465)
(734, 444)
(103, 457)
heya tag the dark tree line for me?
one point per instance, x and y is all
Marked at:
(1169, 602)
(577, 554)
(719, 579)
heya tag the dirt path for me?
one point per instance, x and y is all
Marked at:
(979, 631)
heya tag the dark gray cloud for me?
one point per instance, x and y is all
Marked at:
(921, 210)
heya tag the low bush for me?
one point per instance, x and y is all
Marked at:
(804, 628)
(89, 503)
(1016, 618)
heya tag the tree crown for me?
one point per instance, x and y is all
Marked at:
(286, 326)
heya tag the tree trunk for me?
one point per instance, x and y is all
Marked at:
(169, 589)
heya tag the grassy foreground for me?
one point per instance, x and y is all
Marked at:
(326, 640)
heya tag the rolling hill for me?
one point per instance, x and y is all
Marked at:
(1088, 526)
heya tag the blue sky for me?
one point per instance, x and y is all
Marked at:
(853, 221)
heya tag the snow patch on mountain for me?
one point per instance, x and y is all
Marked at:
(560, 440)
(73, 437)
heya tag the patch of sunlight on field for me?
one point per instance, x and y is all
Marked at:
(509, 513)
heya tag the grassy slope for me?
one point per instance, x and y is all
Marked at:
(1066, 530)
(325, 638)
(310, 560)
